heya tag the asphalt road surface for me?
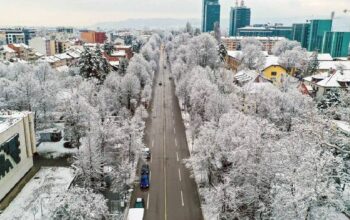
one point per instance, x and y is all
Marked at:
(173, 193)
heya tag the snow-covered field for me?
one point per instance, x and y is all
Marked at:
(31, 202)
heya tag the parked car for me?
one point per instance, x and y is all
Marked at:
(140, 203)
(145, 169)
(147, 153)
(160, 83)
(144, 181)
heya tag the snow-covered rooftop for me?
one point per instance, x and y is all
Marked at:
(245, 76)
(7, 49)
(123, 46)
(21, 45)
(326, 65)
(9, 118)
(271, 61)
(114, 63)
(120, 53)
(63, 56)
(73, 54)
(321, 56)
(333, 80)
(237, 54)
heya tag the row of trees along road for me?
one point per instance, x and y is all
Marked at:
(103, 114)
(259, 152)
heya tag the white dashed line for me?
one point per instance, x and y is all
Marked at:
(148, 201)
(177, 156)
(182, 199)
(179, 174)
(175, 142)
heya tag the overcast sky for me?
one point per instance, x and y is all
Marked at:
(88, 12)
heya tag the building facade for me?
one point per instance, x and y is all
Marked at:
(239, 17)
(15, 37)
(210, 15)
(234, 43)
(265, 31)
(17, 146)
(336, 43)
(317, 31)
(301, 34)
(93, 37)
(2, 38)
(44, 46)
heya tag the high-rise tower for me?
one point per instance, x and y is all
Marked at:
(239, 17)
(211, 14)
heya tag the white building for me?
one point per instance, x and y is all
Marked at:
(6, 53)
(43, 45)
(323, 82)
(17, 146)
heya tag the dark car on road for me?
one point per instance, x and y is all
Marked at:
(144, 181)
(160, 83)
(145, 169)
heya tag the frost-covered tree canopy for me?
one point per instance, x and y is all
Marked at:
(258, 151)
(103, 114)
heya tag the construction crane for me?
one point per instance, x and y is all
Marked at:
(345, 11)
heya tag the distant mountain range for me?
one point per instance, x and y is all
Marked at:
(341, 23)
(152, 23)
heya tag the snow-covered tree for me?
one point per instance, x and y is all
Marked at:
(130, 87)
(217, 31)
(202, 51)
(313, 64)
(252, 57)
(283, 45)
(79, 203)
(222, 52)
(189, 28)
(123, 66)
(295, 59)
(93, 65)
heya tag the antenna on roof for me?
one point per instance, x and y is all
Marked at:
(242, 3)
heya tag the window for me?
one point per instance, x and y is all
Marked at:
(273, 73)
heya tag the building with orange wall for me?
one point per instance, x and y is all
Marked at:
(93, 37)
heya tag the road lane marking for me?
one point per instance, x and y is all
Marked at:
(152, 143)
(175, 142)
(147, 201)
(182, 199)
(174, 131)
(150, 176)
(179, 174)
(151, 159)
(177, 156)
